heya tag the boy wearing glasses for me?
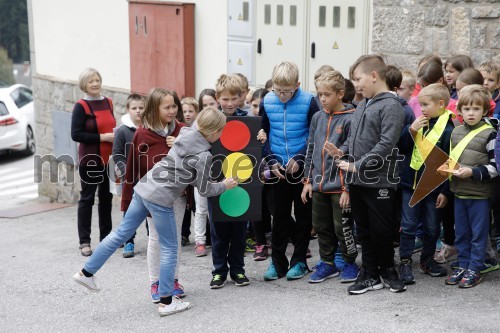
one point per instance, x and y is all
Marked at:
(286, 114)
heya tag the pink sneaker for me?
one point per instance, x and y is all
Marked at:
(200, 250)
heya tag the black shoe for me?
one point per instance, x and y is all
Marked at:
(391, 279)
(365, 283)
(240, 280)
(184, 240)
(218, 281)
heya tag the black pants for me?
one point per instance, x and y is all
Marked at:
(228, 247)
(285, 193)
(372, 209)
(92, 179)
(261, 227)
(186, 223)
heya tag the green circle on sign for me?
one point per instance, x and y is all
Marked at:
(234, 202)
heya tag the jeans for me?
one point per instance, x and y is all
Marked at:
(471, 228)
(424, 213)
(164, 220)
(154, 244)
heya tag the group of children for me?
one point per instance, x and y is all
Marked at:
(347, 162)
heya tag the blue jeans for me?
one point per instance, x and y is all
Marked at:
(164, 220)
(425, 214)
(472, 223)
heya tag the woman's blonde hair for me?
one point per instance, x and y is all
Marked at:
(210, 121)
(151, 117)
(85, 76)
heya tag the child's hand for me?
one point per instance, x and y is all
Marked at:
(275, 169)
(107, 137)
(230, 183)
(441, 201)
(463, 173)
(307, 190)
(332, 150)
(419, 123)
(344, 200)
(170, 141)
(346, 166)
(292, 166)
(262, 136)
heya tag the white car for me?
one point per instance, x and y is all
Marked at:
(17, 120)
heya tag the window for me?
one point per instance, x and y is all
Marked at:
(336, 17)
(3, 109)
(21, 97)
(267, 14)
(351, 17)
(279, 15)
(322, 16)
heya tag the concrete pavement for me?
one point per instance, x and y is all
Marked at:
(40, 254)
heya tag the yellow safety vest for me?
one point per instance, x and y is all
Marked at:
(423, 147)
(460, 147)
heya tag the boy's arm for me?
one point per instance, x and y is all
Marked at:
(391, 122)
(488, 171)
(202, 183)
(266, 126)
(308, 165)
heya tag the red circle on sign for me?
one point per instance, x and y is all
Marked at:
(235, 135)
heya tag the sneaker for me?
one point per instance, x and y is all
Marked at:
(406, 271)
(271, 273)
(176, 306)
(250, 245)
(298, 271)
(200, 250)
(323, 271)
(339, 260)
(317, 264)
(240, 280)
(431, 267)
(178, 290)
(446, 254)
(128, 250)
(308, 254)
(260, 253)
(470, 279)
(490, 265)
(365, 283)
(456, 276)
(418, 245)
(349, 273)
(391, 279)
(218, 281)
(185, 241)
(86, 250)
(87, 282)
(155, 294)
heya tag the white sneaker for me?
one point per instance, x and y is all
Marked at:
(176, 306)
(87, 282)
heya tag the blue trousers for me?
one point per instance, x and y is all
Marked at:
(164, 220)
(472, 222)
(423, 214)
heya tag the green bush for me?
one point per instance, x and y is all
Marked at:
(6, 68)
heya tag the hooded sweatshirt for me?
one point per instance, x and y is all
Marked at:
(375, 130)
(320, 169)
(188, 163)
(121, 145)
(148, 148)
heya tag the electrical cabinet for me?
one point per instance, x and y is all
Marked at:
(162, 46)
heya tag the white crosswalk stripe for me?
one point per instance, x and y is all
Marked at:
(17, 184)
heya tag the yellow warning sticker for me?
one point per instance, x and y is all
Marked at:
(240, 62)
(240, 17)
(280, 42)
(335, 46)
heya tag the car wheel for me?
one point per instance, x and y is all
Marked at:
(30, 142)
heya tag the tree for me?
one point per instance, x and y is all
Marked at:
(6, 68)
(14, 34)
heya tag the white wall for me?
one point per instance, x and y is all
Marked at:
(72, 35)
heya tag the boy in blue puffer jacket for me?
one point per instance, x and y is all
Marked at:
(286, 115)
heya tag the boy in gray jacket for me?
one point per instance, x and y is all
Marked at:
(187, 163)
(375, 129)
(325, 183)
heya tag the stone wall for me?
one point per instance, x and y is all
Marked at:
(406, 30)
(50, 95)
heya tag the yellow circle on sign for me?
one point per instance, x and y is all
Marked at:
(237, 165)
